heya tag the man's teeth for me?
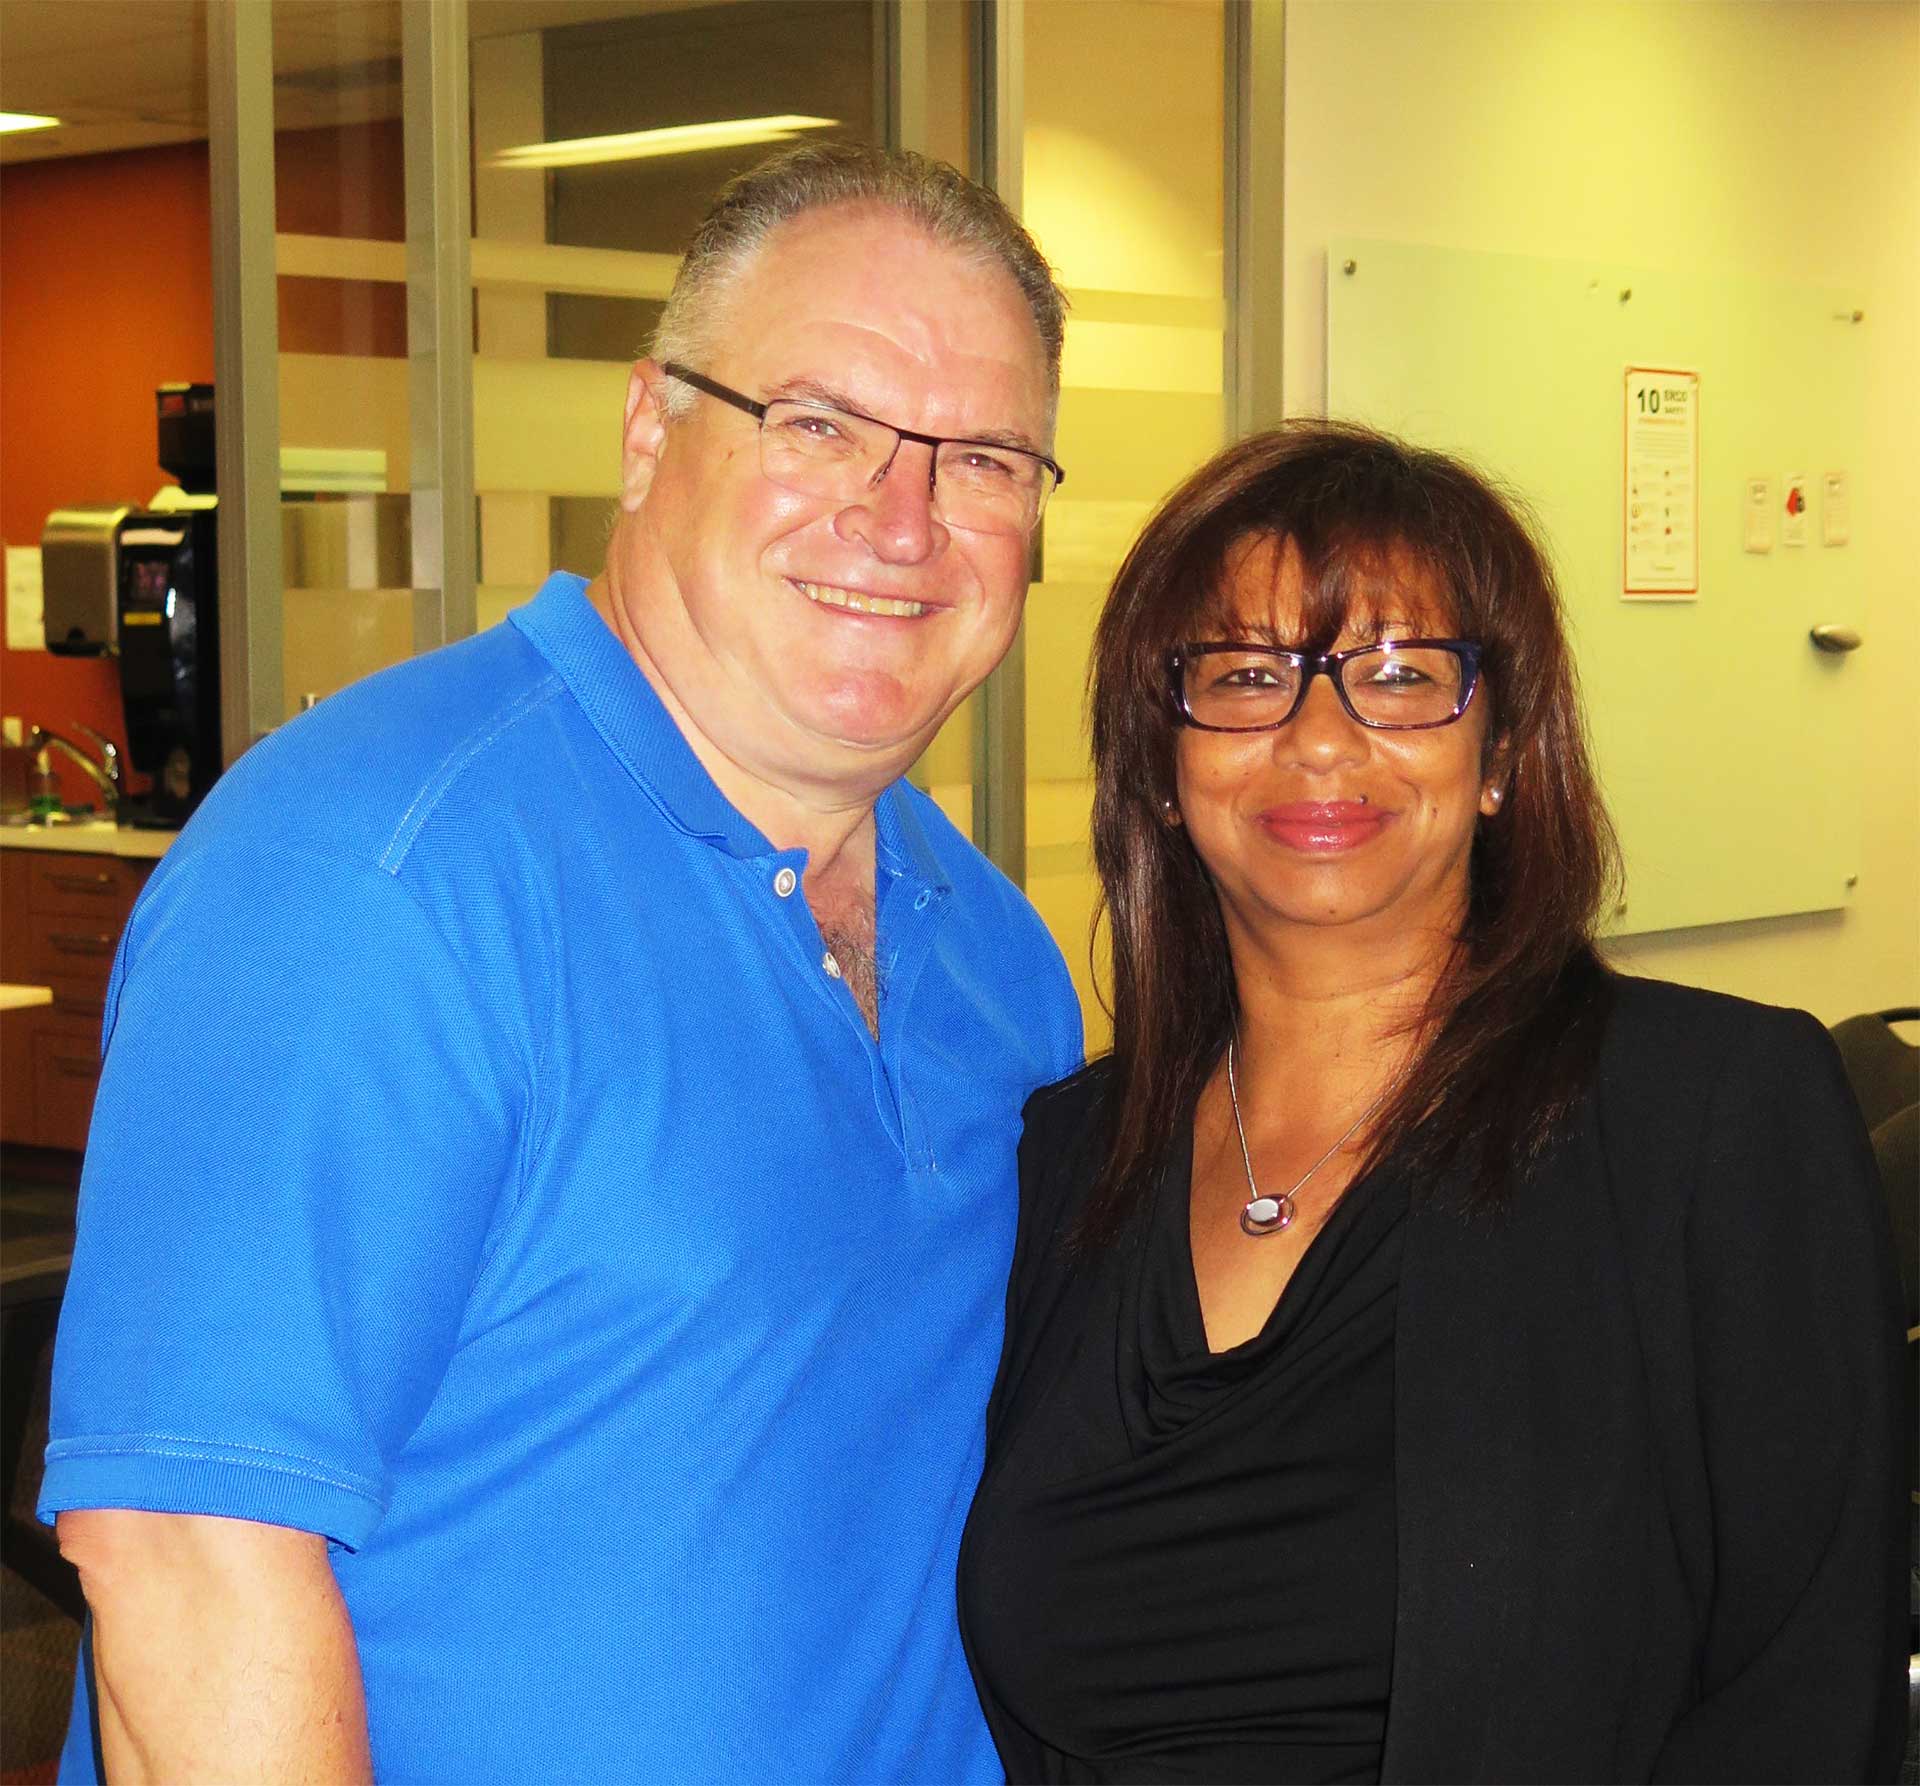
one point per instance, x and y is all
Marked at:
(859, 604)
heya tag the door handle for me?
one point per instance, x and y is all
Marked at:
(1835, 638)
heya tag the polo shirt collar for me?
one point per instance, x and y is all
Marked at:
(614, 693)
(616, 696)
(901, 844)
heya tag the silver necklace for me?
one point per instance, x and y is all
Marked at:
(1274, 1215)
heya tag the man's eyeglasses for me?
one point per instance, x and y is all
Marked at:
(1399, 685)
(818, 450)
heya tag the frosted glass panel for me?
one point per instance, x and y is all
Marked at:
(1124, 184)
(572, 263)
(340, 225)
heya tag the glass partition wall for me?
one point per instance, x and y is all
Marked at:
(597, 146)
(589, 136)
(1124, 187)
(339, 255)
(581, 177)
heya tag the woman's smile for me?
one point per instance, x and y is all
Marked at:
(1323, 827)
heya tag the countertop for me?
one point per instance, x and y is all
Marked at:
(90, 837)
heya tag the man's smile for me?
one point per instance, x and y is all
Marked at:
(831, 595)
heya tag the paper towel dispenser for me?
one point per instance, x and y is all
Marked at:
(80, 576)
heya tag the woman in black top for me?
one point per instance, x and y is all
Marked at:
(1429, 1356)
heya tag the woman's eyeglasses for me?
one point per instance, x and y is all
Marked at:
(1398, 685)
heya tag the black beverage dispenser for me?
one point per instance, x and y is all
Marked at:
(169, 627)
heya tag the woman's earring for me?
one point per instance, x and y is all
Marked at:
(1169, 813)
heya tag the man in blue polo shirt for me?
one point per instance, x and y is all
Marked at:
(542, 1243)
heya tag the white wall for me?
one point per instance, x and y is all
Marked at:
(1767, 138)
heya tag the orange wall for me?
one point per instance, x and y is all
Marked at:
(105, 292)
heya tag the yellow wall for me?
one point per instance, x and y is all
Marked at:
(1770, 139)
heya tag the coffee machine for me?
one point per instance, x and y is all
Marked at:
(143, 585)
(167, 611)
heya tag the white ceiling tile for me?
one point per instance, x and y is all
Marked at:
(101, 76)
(30, 28)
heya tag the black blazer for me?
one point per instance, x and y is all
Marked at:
(1649, 1461)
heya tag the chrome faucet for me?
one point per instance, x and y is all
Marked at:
(105, 774)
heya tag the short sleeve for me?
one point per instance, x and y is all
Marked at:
(1797, 1339)
(304, 1127)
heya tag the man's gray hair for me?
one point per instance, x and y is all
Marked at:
(752, 206)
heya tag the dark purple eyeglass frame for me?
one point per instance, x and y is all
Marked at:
(1330, 664)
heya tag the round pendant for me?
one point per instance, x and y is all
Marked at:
(1266, 1215)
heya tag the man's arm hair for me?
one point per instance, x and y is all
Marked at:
(222, 1650)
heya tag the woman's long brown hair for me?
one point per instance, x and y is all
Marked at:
(1510, 1037)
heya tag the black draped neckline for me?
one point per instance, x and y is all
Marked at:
(1181, 1564)
(1169, 1375)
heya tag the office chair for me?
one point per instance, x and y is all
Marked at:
(1884, 1071)
(1882, 1067)
(30, 1303)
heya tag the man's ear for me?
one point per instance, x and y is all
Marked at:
(643, 432)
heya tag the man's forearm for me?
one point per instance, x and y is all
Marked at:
(222, 1650)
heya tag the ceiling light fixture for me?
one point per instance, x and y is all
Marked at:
(675, 139)
(11, 121)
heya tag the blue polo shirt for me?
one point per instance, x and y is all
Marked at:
(489, 1175)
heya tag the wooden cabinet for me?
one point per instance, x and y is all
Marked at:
(61, 914)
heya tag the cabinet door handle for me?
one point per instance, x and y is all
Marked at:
(70, 943)
(72, 1067)
(83, 883)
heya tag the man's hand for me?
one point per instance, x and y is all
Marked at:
(222, 1650)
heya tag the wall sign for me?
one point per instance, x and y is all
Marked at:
(1756, 533)
(1793, 509)
(1661, 498)
(1836, 510)
(26, 605)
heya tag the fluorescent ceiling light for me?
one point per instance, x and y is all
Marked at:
(675, 139)
(10, 121)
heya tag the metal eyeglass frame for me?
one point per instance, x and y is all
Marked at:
(1330, 664)
(750, 406)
